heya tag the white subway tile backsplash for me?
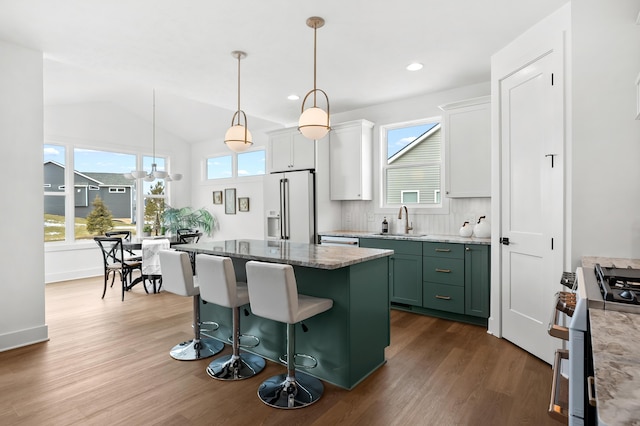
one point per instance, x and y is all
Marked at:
(356, 216)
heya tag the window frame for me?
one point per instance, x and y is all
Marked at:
(234, 165)
(67, 191)
(440, 208)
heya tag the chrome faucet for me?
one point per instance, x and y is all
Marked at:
(407, 228)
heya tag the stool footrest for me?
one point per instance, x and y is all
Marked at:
(306, 361)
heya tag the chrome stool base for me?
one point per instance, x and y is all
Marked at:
(192, 350)
(236, 367)
(283, 391)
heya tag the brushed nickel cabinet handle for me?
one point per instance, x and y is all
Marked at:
(443, 297)
(443, 250)
(443, 270)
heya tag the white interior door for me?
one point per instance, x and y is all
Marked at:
(531, 114)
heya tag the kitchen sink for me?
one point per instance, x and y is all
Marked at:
(401, 235)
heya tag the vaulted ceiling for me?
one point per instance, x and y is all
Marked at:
(118, 51)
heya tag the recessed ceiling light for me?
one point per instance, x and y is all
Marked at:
(414, 66)
(293, 97)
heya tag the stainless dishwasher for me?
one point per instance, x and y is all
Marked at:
(329, 240)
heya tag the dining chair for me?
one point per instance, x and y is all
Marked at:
(114, 262)
(187, 236)
(126, 236)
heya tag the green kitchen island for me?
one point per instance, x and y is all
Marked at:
(349, 339)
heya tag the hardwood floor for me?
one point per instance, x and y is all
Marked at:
(107, 362)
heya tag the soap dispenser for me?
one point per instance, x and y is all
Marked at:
(385, 226)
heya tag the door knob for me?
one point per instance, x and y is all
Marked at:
(504, 241)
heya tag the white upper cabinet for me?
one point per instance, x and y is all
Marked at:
(467, 133)
(289, 151)
(351, 160)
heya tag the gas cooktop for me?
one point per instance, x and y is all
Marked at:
(620, 285)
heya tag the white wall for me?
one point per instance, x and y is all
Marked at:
(106, 126)
(249, 225)
(605, 199)
(357, 215)
(22, 315)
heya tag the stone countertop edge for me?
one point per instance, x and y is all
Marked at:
(616, 356)
(410, 237)
(296, 254)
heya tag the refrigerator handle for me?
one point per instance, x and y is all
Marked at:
(282, 211)
(285, 209)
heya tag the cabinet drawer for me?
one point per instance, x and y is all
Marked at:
(448, 250)
(444, 271)
(401, 247)
(443, 297)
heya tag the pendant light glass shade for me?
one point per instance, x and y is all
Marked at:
(154, 173)
(314, 122)
(238, 137)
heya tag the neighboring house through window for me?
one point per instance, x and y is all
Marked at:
(412, 164)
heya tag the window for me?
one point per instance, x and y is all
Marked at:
(219, 167)
(54, 195)
(97, 175)
(412, 164)
(251, 163)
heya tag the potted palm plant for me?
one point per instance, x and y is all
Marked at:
(187, 217)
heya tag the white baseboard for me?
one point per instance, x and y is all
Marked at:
(25, 337)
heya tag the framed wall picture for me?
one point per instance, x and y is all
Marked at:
(243, 204)
(230, 201)
(217, 197)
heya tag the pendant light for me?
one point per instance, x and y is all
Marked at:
(238, 138)
(314, 122)
(154, 173)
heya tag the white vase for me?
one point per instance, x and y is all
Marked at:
(482, 228)
(466, 230)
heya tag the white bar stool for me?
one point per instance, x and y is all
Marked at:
(218, 285)
(177, 278)
(273, 294)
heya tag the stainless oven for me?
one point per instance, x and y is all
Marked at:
(573, 367)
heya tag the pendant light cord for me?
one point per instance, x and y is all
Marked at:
(154, 126)
(239, 55)
(315, 30)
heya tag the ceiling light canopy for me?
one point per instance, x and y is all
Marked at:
(154, 173)
(415, 66)
(238, 137)
(314, 121)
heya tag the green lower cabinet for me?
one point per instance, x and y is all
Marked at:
(447, 280)
(405, 280)
(443, 297)
(476, 280)
(405, 268)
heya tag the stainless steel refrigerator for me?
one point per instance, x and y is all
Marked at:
(290, 203)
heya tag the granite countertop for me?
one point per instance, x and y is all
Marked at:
(410, 237)
(297, 254)
(616, 356)
(616, 361)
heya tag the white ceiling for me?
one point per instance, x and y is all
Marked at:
(119, 50)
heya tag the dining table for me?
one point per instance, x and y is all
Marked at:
(135, 243)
